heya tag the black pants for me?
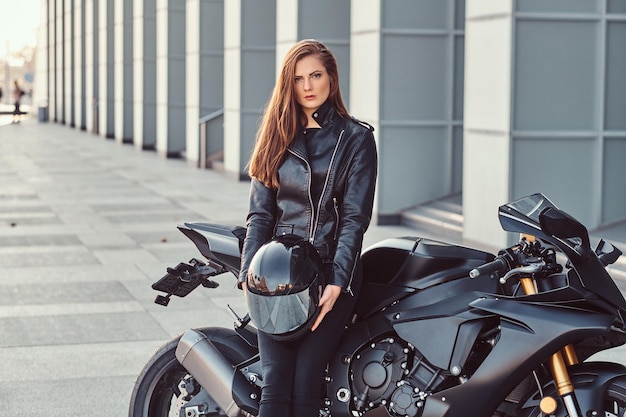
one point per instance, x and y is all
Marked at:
(293, 371)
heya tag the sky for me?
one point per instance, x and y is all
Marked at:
(19, 20)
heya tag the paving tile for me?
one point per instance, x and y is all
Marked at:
(39, 240)
(35, 275)
(75, 361)
(78, 329)
(123, 256)
(75, 256)
(69, 293)
(75, 308)
(95, 397)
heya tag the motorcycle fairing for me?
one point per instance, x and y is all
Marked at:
(433, 329)
(528, 334)
(224, 245)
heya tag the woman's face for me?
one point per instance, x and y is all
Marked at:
(312, 84)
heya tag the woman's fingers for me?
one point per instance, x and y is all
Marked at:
(327, 301)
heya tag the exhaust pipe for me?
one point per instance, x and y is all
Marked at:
(227, 386)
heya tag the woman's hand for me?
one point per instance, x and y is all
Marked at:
(327, 301)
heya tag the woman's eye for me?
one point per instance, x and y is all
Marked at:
(316, 75)
(298, 79)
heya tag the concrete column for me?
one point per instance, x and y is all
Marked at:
(123, 71)
(106, 40)
(92, 60)
(52, 60)
(487, 121)
(171, 87)
(59, 92)
(249, 75)
(365, 51)
(287, 32)
(61, 108)
(205, 80)
(144, 69)
(79, 103)
(69, 69)
(41, 95)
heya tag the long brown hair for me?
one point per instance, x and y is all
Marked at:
(283, 115)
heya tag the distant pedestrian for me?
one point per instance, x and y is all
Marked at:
(17, 96)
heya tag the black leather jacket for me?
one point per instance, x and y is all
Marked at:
(335, 225)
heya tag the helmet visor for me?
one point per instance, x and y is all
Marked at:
(281, 315)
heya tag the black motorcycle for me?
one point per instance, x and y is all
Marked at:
(438, 330)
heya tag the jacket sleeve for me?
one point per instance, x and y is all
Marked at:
(260, 224)
(356, 211)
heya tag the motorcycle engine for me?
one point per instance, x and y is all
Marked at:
(394, 375)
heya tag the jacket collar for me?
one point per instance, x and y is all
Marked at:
(323, 116)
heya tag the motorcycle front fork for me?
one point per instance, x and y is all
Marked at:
(558, 365)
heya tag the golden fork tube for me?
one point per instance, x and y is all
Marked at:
(569, 355)
(561, 376)
(528, 285)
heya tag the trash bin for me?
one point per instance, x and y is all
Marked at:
(42, 113)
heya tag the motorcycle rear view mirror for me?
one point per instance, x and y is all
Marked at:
(560, 224)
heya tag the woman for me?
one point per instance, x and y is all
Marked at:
(17, 97)
(313, 172)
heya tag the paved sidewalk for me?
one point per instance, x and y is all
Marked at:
(86, 226)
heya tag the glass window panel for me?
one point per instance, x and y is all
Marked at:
(559, 6)
(556, 76)
(614, 172)
(416, 14)
(616, 6)
(257, 78)
(615, 111)
(457, 159)
(258, 23)
(459, 72)
(415, 78)
(459, 15)
(407, 156)
(324, 19)
(571, 156)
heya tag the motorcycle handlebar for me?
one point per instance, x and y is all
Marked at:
(497, 265)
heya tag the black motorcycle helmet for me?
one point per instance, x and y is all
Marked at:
(283, 293)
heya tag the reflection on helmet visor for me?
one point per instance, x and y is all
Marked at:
(278, 315)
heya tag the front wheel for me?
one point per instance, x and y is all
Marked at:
(599, 387)
(161, 387)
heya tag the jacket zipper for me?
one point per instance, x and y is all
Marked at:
(349, 287)
(308, 191)
(336, 207)
(319, 204)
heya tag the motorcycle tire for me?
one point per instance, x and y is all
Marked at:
(613, 396)
(156, 392)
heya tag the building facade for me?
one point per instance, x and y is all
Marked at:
(488, 99)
